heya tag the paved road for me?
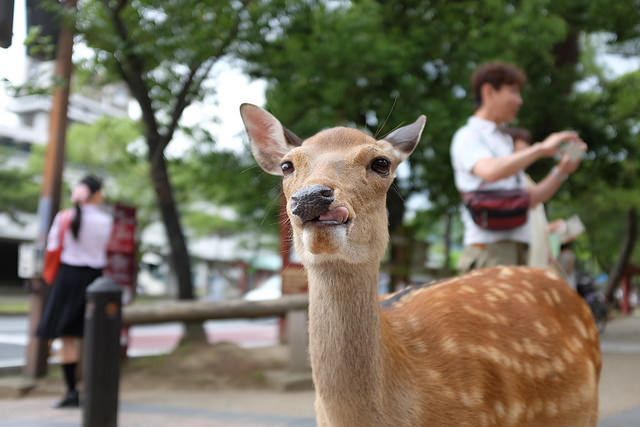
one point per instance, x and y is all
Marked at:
(619, 398)
(13, 339)
(148, 339)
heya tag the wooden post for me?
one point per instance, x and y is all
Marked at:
(49, 203)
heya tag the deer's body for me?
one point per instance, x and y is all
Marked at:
(506, 346)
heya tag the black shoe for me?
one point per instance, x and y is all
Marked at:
(70, 400)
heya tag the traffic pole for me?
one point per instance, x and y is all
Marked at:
(37, 349)
(101, 373)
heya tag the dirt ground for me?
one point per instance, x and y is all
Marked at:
(199, 366)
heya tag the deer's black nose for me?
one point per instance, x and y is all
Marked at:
(311, 202)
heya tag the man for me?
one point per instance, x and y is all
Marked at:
(483, 158)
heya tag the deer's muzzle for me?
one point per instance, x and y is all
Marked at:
(310, 202)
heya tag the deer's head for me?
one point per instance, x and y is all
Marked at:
(335, 183)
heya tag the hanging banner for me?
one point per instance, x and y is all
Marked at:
(122, 264)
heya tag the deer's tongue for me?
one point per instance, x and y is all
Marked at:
(339, 215)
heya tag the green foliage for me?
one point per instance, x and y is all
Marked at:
(19, 187)
(603, 210)
(226, 179)
(378, 64)
(112, 148)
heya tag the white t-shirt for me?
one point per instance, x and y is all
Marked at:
(90, 249)
(480, 139)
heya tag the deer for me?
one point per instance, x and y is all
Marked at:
(500, 346)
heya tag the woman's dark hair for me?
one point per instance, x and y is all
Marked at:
(496, 74)
(94, 184)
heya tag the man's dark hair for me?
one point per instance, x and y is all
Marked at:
(496, 74)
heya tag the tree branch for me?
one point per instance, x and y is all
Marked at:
(131, 70)
(182, 100)
(629, 240)
(192, 83)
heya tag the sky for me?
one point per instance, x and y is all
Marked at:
(233, 87)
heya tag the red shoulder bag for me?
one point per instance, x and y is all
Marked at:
(52, 257)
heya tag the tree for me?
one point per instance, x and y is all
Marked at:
(163, 51)
(375, 63)
(19, 188)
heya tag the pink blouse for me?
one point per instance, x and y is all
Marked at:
(90, 249)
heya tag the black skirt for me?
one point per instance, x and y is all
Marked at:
(63, 313)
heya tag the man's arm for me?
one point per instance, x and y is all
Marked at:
(493, 169)
(542, 191)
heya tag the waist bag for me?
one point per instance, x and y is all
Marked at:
(497, 209)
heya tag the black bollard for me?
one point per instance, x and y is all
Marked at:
(102, 322)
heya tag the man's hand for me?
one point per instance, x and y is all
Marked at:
(549, 146)
(566, 166)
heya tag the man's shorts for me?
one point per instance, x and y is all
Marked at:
(491, 254)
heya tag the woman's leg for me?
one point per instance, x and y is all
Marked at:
(69, 363)
(69, 353)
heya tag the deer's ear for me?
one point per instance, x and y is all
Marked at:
(406, 138)
(270, 141)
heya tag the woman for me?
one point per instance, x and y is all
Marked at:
(84, 254)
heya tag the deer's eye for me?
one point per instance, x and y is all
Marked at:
(381, 166)
(287, 168)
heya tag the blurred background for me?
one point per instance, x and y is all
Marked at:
(153, 109)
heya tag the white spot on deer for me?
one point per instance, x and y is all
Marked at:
(527, 284)
(547, 298)
(552, 409)
(491, 298)
(505, 286)
(540, 328)
(551, 275)
(556, 296)
(471, 399)
(575, 345)
(484, 419)
(499, 293)
(516, 409)
(498, 407)
(479, 313)
(567, 356)
(502, 319)
(521, 298)
(414, 323)
(466, 289)
(533, 349)
(450, 346)
(505, 272)
(432, 375)
(558, 365)
(517, 346)
(580, 326)
(529, 296)
(517, 366)
(419, 346)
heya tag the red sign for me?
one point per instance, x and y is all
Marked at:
(121, 250)
(124, 230)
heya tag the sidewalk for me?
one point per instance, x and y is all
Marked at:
(619, 398)
(174, 408)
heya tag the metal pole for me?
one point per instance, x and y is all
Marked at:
(101, 373)
(49, 203)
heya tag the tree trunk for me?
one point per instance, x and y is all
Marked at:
(626, 250)
(177, 242)
(396, 209)
(193, 331)
(446, 268)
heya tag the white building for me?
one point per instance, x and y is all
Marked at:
(28, 126)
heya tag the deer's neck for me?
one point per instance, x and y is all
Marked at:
(345, 336)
